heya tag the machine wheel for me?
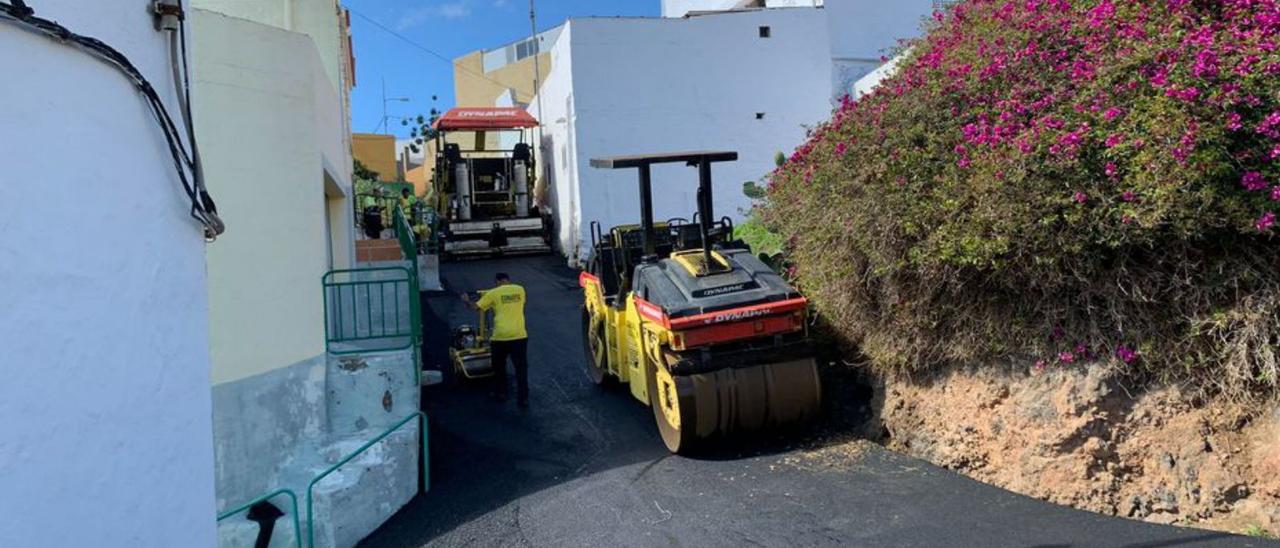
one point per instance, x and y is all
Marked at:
(593, 344)
(671, 399)
(693, 410)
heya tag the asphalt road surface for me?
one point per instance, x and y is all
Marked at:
(584, 467)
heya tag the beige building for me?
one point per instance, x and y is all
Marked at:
(503, 76)
(377, 152)
(418, 169)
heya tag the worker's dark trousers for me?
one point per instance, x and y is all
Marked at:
(517, 350)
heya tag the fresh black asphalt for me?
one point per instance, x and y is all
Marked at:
(584, 467)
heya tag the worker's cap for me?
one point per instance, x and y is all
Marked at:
(501, 276)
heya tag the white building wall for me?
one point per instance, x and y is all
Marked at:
(105, 429)
(558, 142)
(864, 31)
(313, 18)
(661, 85)
(870, 82)
(680, 8)
(272, 125)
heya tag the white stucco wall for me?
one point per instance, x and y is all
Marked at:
(662, 85)
(680, 8)
(864, 31)
(870, 82)
(314, 18)
(558, 150)
(105, 431)
(277, 148)
(868, 29)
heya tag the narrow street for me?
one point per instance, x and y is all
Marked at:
(584, 467)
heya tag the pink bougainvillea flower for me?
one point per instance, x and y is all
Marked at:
(1206, 65)
(1114, 140)
(1270, 126)
(1267, 220)
(1112, 169)
(1234, 122)
(1102, 14)
(1275, 193)
(1128, 196)
(1126, 354)
(1080, 197)
(1066, 357)
(841, 148)
(1082, 350)
(1113, 113)
(1253, 181)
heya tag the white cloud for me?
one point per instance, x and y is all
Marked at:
(501, 3)
(458, 9)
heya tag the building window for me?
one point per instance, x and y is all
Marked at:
(526, 48)
(765, 32)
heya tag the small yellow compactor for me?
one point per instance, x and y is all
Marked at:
(469, 349)
(713, 340)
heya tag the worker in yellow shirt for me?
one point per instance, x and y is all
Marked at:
(509, 339)
(407, 201)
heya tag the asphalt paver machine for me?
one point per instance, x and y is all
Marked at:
(712, 339)
(485, 177)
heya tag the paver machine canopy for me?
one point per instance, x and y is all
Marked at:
(484, 180)
(713, 340)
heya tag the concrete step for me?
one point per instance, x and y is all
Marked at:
(349, 503)
(368, 251)
(355, 500)
(237, 532)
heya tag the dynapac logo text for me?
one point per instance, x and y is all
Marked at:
(735, 316)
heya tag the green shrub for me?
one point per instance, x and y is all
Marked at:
(758, 236)
(1057, 181)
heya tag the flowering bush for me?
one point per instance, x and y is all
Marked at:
(1062, 179)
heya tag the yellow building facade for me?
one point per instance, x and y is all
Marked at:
(377, 152)
(503, 76)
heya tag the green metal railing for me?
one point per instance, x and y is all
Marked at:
(371, 310)
(404, 234)
(293, 501)
(424, 473)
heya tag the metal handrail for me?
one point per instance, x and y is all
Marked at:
(413, 331)
(425, 472)
(409, 248)
(293, 498)
(333, 320)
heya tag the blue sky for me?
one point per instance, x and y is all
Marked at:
(450, 28)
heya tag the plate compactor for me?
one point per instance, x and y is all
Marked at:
(469, 350)
(714, 341)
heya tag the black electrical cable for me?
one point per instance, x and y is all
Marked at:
(186, 162)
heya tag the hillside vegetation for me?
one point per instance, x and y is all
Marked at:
(1057, 182)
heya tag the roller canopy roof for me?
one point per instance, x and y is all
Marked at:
(619, 162)
(483, 118)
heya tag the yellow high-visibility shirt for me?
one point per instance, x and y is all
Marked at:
(507, 302)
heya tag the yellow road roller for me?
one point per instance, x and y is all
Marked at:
(712, 339)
